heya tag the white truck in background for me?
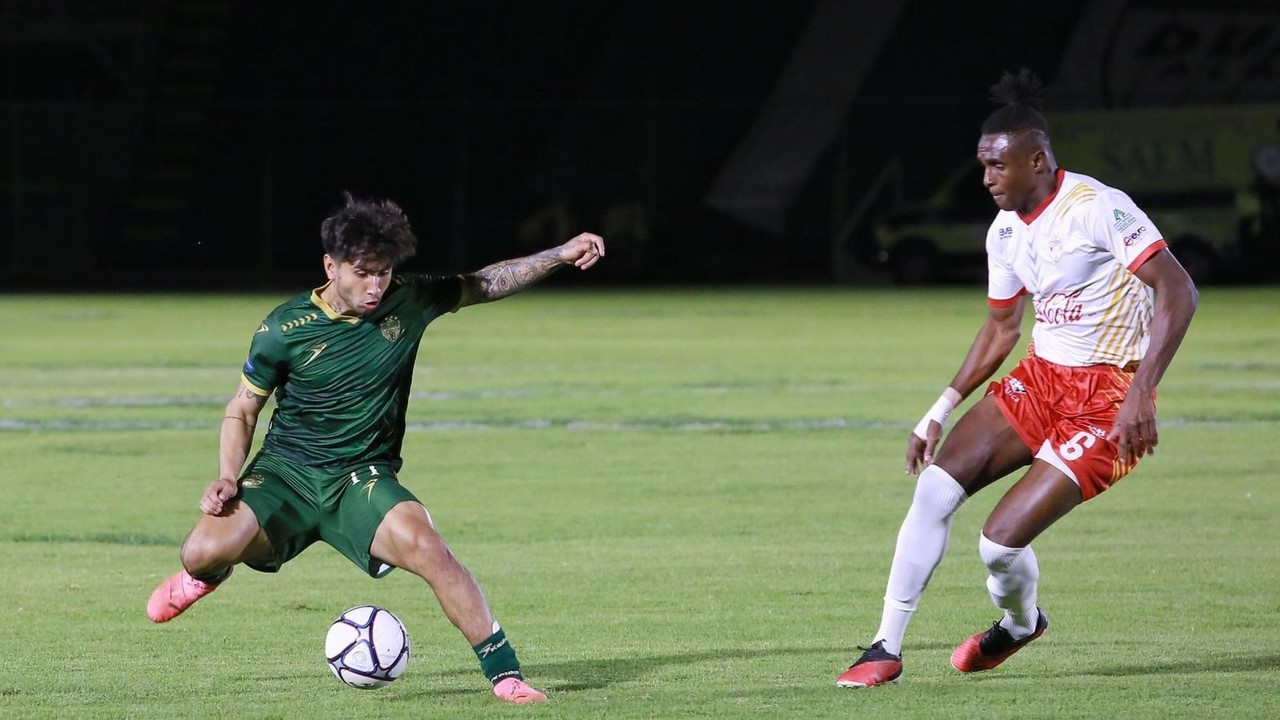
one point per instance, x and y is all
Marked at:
(1208, 176)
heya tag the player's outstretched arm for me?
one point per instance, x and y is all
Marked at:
(995, 340)
(511, 276)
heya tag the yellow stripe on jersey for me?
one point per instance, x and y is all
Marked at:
(261, 392)
(1122, 314)
(1079, 194)
(1140, 319)
(1111, 322)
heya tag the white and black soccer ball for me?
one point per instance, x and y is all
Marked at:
(367, 647)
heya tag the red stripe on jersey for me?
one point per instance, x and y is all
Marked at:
(1156, 247)
(1028, 219)
(992, 302)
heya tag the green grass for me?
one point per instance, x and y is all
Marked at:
(680, 503)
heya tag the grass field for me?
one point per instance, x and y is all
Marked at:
(680, 503)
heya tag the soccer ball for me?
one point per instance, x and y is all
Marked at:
(367, 647)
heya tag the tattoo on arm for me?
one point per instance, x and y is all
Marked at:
(511, 276)
(240, 420)
(245, 392)
(258, 401)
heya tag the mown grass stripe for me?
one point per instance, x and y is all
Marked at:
(680, 423)
(103, 538)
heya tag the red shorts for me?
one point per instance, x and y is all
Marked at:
(1063, 414)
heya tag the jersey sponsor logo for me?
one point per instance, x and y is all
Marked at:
(249, 482)
(1014, 389)
(299, 322)
(1123, 219)
(315, 351)
(1006, 233)
(1135, 236)
(1060, 308)
(390, 327)
(248, 365)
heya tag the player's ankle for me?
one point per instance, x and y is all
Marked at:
(213, 577)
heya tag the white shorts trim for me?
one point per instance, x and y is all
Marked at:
(1049, 455)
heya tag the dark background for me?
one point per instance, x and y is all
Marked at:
(199, 143)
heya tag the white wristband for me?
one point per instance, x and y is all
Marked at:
(942, 407)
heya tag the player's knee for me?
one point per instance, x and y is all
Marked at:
(998, 533)
(197, 557)
(937, 494)
(202, 554)
(429, 551)
(418, 549)
(997, 556)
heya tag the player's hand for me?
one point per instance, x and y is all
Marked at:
(583, 251)
(920, 450)
(1134, 431)
(217, 495)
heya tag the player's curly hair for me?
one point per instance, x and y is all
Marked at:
(1021, 96)
(364, 228)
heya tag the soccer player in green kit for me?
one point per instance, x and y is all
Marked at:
(339, 360)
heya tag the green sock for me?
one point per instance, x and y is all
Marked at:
(213, 579)
(497, 658)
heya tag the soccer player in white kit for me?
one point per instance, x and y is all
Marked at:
(1111, 307)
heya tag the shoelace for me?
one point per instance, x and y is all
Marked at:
(875, 646)
(997, 638)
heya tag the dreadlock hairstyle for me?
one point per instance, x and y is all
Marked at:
(374, 229)
(1021, 96)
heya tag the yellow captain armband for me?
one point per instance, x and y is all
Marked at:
(246, 385)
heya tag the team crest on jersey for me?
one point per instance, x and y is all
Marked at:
(1055, 247)
(390, 327)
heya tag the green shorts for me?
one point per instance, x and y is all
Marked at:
(297, 505)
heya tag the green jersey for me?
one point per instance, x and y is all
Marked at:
(342, 383)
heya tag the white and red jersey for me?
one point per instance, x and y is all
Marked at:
(1076, 255)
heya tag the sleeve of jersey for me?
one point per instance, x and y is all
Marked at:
(1124, 230)
(263, 367)
(1003, 286)
(436, 294)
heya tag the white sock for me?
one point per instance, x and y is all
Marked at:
(1012, 583)
(922, 541)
